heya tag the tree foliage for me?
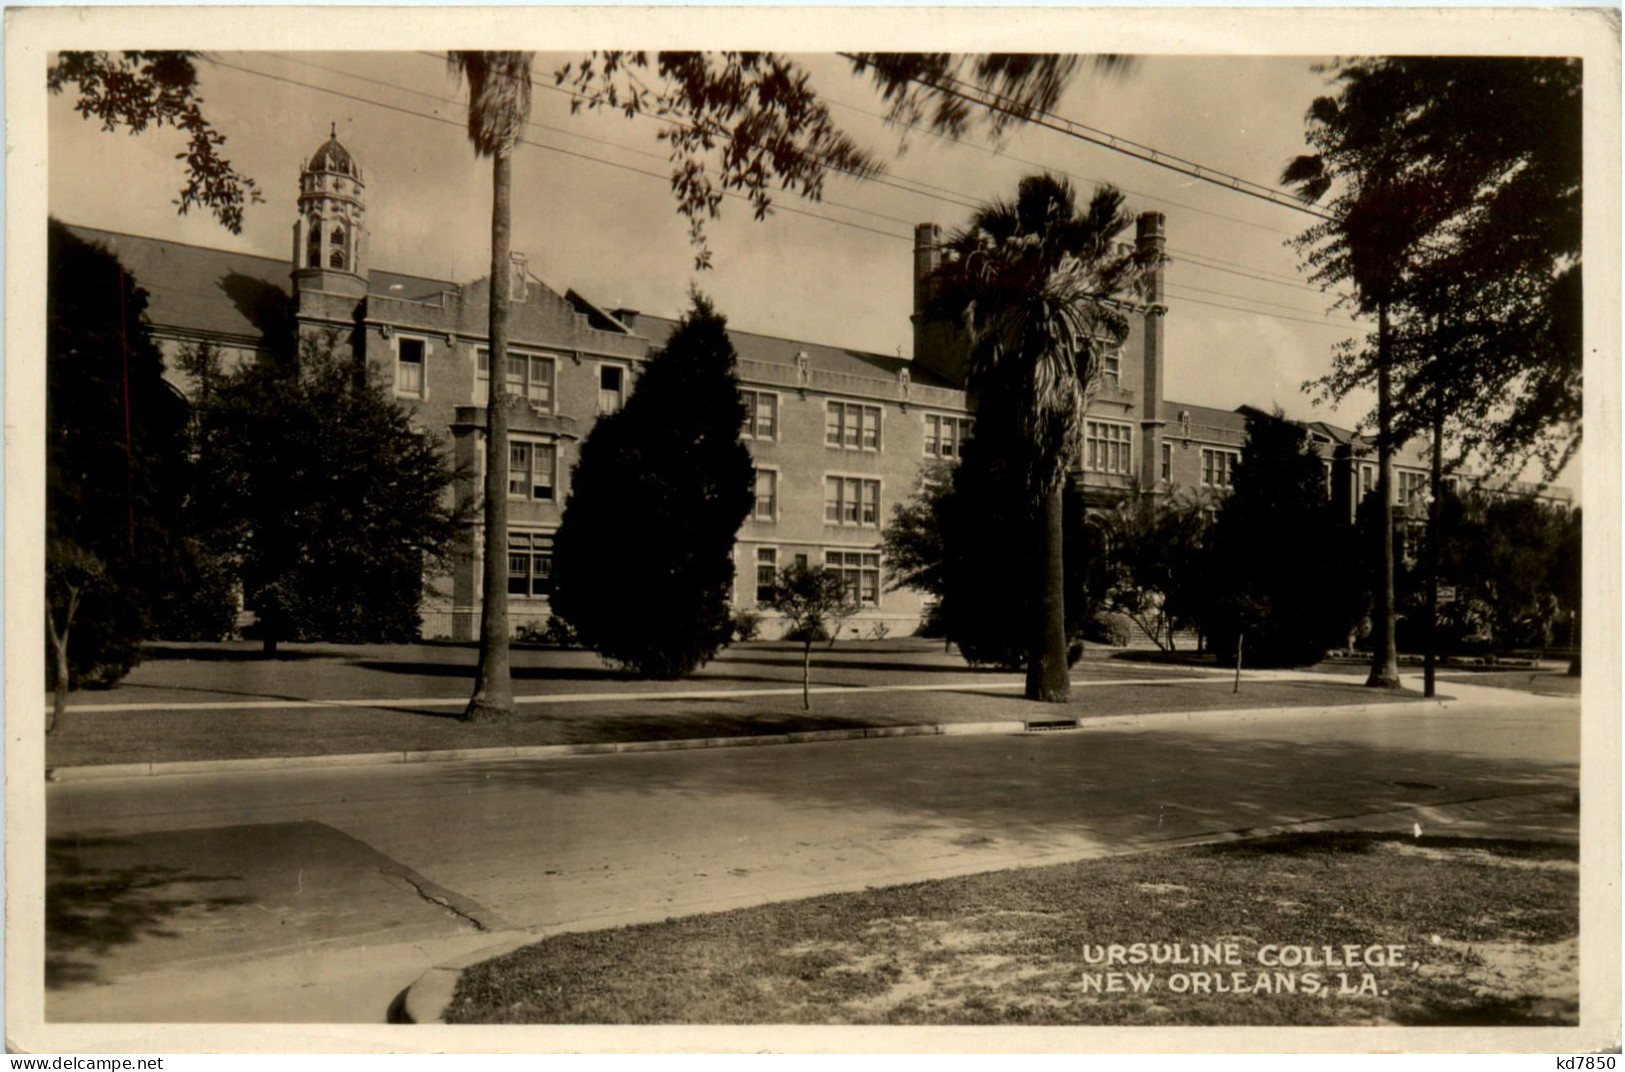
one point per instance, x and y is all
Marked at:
(644, 557)
(137, 90)
(1454, 190)
(1279, 559)
(1156, 550)
(117, 472)
(1038, 287)
(333, 506)
(814, 601)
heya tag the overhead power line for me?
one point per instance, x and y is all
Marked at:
(1105, 139)
(665, 179)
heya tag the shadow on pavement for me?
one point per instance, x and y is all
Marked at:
(91, 910)
(546, 673)
(1127, 787)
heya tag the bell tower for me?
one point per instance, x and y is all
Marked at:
(330, 238)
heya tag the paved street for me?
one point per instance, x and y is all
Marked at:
(318, 894)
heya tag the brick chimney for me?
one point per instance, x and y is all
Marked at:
(938, 347)
(1150, 240)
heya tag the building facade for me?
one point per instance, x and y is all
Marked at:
(839, 436)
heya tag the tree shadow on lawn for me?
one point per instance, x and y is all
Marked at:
(702, 724)
(1119, 788)
(209, 653)
(89, 910)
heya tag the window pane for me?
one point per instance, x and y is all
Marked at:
(832, 424)
(851, 430)
(482, 365)
(541, 381)
(546, 462)
(871, 428)
(871, 502)
(769, 555)
(832, 499)
(932, 432)
(849, 501)
(767, 416)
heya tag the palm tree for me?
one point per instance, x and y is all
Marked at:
(1036, 285)
(498, 108)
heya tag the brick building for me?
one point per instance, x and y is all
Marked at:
(839, 436)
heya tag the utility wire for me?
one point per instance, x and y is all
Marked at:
(665, 178)
(1147, 154)
(553, 148)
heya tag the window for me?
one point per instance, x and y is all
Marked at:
(767, 495)
(1219, 468)
(860, 572)
(611, 388)
(850, 500)
(313, 243)
(531, 469)
(1111, 366)
(767, 573)
(1413, 487)
(761, 414)
(945, 436)
(530, 563)
(1168, 461)
(335, 259)
(1328, 466)
(409, 368)
(1368, 478)
(529, 375)
(1107, 447)
(852, 426)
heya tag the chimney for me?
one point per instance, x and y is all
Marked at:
(1150, 242)
(938, 347)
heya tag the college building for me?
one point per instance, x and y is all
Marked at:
(839, 436)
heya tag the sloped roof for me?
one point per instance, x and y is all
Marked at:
(774, 350)
(1169, 410)
(197, 289)
(406, 287)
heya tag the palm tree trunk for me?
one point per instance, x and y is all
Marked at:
(1384, 653)
(1435, 481)
(493, 686)
(1047, 677)
(59, 695)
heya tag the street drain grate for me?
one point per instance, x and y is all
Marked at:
(1052, 724)
(1416, 785)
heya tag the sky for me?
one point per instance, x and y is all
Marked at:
(593, 210)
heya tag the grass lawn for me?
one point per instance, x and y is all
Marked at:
(1485, 932)
(194, 677)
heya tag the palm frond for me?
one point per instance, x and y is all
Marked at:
(498, 97)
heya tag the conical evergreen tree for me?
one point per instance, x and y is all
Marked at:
(643, 561)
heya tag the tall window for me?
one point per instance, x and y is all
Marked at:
(611, 388)
(945, 436)
(850, 500)
(767, 495)
(761, 414)
(1219, 468)
(530, 563)
(1168, 461)
(1413, 486)
(767, 573)
(313, 243)
(1111, 366)
(1368, 478)
(852, 426)
(1107, 447)
(529, 376)
(335, 256)
(531, 470)
(860, 572)
(409, 368)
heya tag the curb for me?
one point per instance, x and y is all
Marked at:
(682, 744)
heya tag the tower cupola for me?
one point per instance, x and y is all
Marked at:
(330, 238)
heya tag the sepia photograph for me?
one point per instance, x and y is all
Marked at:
(1023, 530)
